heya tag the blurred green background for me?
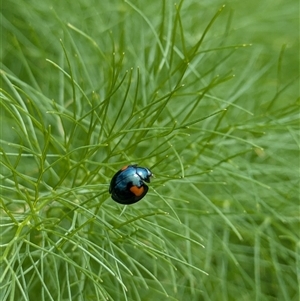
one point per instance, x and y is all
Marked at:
(205, 95)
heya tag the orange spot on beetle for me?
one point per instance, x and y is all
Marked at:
(124, 167)
(137, 191)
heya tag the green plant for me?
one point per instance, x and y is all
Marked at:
(91, 87)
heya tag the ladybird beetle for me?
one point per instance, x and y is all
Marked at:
(128, 185)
